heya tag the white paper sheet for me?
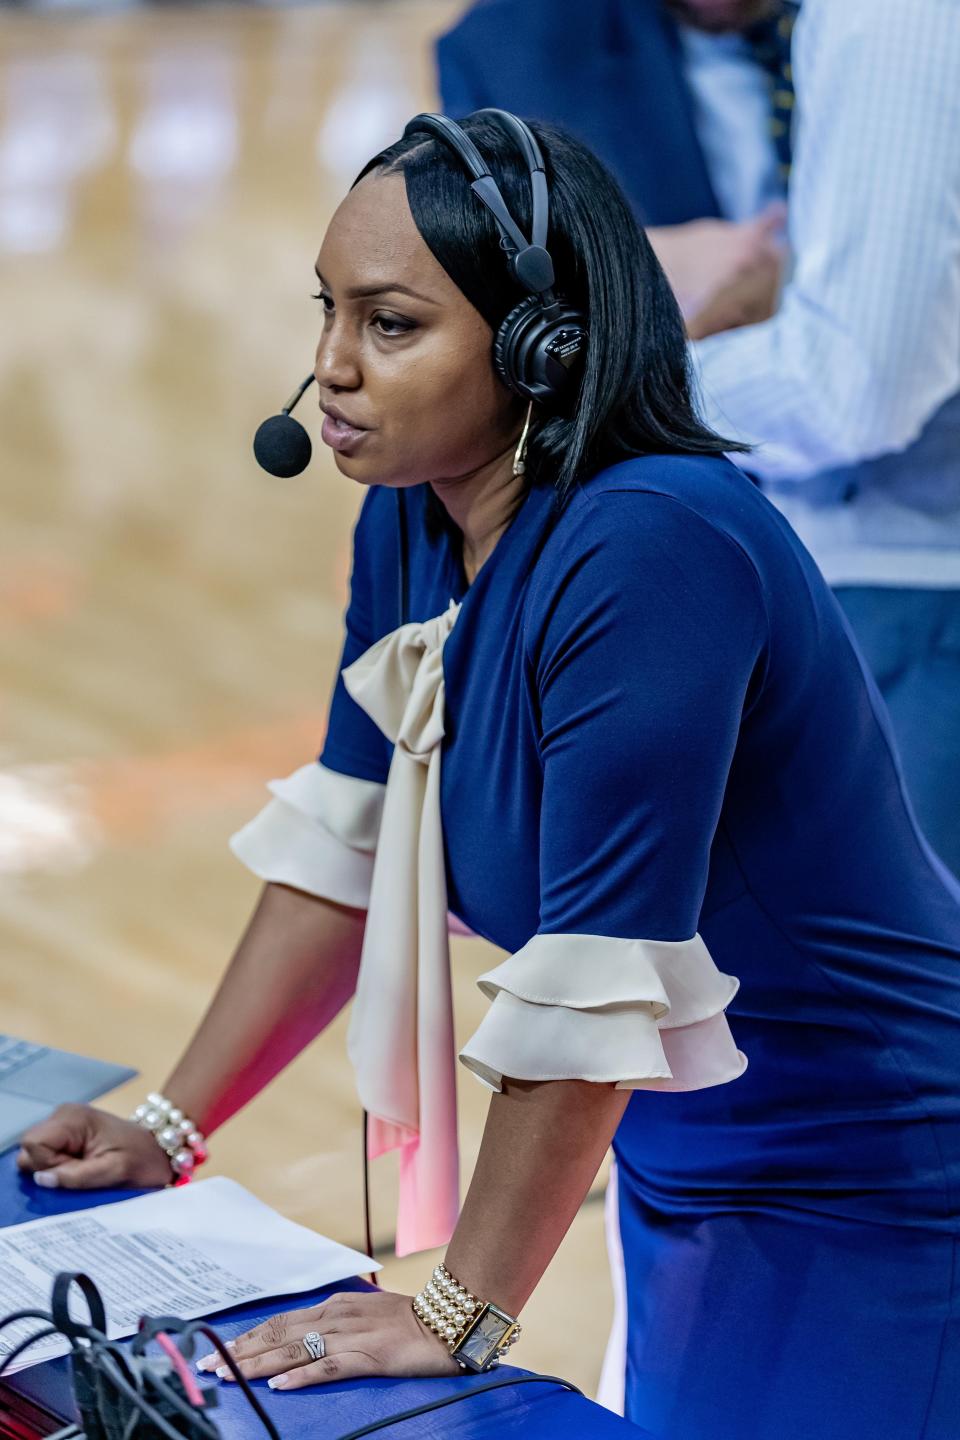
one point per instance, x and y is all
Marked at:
(187, 1251)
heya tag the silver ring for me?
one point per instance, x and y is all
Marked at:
(315, 1345)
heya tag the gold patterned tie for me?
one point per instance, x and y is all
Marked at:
(770, 41)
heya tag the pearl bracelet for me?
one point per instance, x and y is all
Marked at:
(476, 1333)
(174, 1132)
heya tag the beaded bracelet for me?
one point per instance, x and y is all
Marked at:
(174, 1132)
(477, 1333)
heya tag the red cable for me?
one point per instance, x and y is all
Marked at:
(194, 1393)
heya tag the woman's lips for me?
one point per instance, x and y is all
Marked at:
(340, 436)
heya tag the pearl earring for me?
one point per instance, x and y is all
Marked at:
(519, 460)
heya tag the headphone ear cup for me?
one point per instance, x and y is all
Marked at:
(540, 357)
(505, 342)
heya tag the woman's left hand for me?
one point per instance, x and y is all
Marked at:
(365, 1333)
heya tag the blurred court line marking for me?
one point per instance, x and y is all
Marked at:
(45, 824)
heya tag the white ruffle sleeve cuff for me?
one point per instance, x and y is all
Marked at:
(318, 834)
(644, 1014)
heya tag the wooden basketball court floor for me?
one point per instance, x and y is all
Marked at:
(169, 615)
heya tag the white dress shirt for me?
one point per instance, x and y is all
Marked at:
(851, 392)
(731, 115)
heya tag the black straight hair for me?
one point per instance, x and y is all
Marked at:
(635, 395)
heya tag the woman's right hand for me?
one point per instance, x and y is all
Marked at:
(81, 1148)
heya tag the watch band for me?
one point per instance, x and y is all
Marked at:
(477, 1333)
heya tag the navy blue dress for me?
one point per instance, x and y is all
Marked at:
(657, 725)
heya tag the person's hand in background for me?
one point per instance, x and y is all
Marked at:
(81, 1148)
(723, 273)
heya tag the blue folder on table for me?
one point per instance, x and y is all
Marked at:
(41, 1397)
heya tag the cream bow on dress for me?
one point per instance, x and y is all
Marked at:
(638, 1013)
(401, 1038)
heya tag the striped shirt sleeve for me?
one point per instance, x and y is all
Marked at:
(866, 344)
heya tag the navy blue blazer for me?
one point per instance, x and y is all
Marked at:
(609, 71)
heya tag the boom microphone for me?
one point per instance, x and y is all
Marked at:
(281, 444)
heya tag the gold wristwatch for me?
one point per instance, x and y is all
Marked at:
(477, 1333)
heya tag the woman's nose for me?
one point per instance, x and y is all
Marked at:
(337, 366)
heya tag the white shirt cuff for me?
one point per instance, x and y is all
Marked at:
(318, 834)
(642, 1014)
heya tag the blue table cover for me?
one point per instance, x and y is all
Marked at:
(328, 1411)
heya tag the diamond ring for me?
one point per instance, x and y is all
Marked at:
(315, 1345)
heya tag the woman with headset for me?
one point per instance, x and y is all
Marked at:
(596, 704)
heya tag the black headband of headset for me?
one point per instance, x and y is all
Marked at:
(530, 259)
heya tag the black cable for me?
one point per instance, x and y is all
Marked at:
(367, 1226)
(16, 1315)
(455, 1399)
(133, 1421)
(195, 1414)
(193, 1327)
(63, 1283)
(104, 1361)
(110, 1359)
(403, 596)
(101, 1351)
(25, 1345)
(105, 1357)
(136, 1412)
(186, 1330)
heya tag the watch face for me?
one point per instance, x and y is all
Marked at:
(482, 1341)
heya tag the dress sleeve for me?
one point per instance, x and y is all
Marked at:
(319, 832)
(642, 657)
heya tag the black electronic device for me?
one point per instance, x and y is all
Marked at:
(540, 345)
(121, 1392)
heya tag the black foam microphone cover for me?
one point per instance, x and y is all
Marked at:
(282, 446)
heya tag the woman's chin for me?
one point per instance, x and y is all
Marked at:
(353, 469)
(365, 473)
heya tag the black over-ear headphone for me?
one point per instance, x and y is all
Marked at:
(539, 348)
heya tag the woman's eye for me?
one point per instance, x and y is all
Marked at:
(388, 325)
(391, 325)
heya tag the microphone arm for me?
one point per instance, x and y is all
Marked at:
(298, 394)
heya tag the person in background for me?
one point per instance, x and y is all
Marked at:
(850, 391)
